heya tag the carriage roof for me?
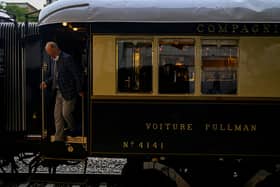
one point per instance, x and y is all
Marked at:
(161, 11)
(4, 16)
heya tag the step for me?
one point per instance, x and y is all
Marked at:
(70, 139)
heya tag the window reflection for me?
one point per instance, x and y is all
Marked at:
(219, 66)
(176, 66)
(134, 66)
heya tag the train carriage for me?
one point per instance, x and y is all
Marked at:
(181, 79)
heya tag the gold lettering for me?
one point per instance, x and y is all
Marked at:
(246, 128)
(266, 28)
(125, 145)
(189, 127)
(160, 126)
(254, 128)
(237, 127)
(244, 29)
(148, 126)
(211, 28)
(223, 29)
(167, 126)
(215, 127)
(182, 127)
(200, 28)
(155, 126)
(234, 28)
(175, 126)
(142, 145)
(255, 28)
(229, 127)
(207, 126)
(222, 127)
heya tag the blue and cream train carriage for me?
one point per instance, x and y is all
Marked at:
(180, 79)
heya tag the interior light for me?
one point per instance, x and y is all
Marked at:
(64, 24)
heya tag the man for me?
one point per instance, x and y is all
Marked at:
(64, 77)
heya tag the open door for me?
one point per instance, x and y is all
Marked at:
(75, 43)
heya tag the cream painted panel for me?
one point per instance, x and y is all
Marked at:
(104, 66)
(259, 67)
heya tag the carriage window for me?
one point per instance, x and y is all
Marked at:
(176, 66)
(134, 65)
(219, 66)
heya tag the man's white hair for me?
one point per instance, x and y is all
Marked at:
(52, 45)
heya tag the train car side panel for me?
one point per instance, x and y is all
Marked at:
(259, 67)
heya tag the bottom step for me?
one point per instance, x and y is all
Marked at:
(70, 139)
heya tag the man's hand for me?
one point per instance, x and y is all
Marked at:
(81, 94)
(43, 85)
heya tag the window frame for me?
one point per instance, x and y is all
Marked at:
(237, 69)
(195, 59)
(129, 38)
(156, 60)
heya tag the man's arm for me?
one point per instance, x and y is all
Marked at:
(48, 77)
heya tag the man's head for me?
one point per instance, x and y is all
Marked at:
(52, 49)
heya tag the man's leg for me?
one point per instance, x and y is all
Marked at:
(67, 112)
(58, 118)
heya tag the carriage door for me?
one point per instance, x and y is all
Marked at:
(76, 43)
